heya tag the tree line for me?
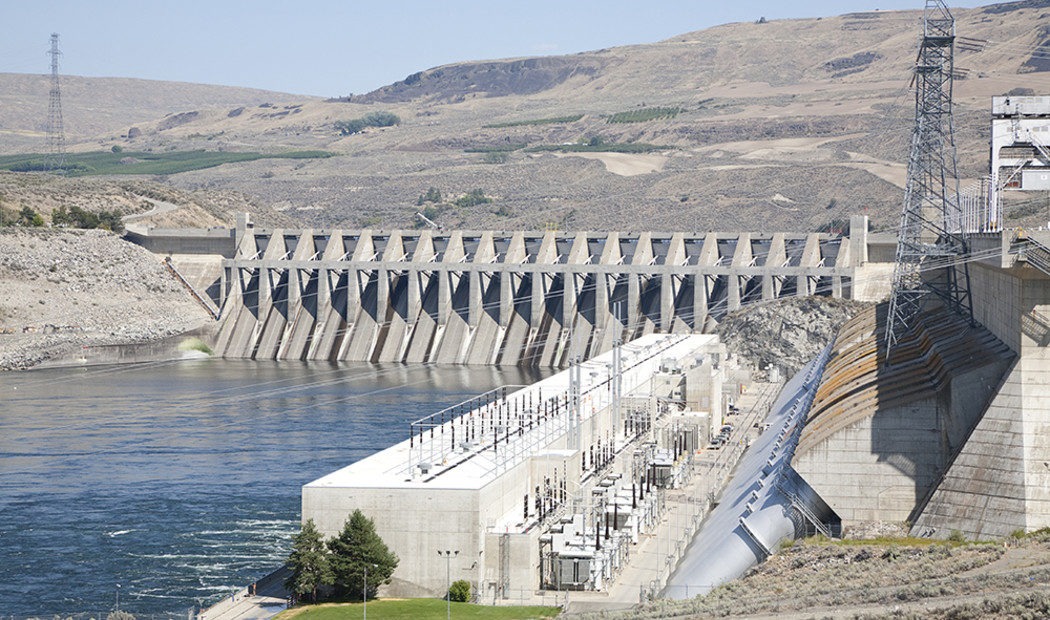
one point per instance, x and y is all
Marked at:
(73, 217)
(337, 567)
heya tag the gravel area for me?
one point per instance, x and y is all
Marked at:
(786, 333)
(876, 579)
(65, 289)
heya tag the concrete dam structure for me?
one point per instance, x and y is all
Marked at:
(953, 435)
(517, 298)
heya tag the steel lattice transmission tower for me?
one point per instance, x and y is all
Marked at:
(930, 240)
(56, 139)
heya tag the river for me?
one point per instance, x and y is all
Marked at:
(181, 480)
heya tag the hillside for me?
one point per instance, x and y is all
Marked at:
(66, 290)
(782, 125)
(129, 196)
(93, 106)
(875, 579)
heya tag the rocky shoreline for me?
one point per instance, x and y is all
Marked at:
(69, 290)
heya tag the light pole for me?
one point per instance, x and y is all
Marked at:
(364, 592)
(448, 579)
(116, 605)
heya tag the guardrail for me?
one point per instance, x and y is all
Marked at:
(205, 303)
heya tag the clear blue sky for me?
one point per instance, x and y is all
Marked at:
(331, 48)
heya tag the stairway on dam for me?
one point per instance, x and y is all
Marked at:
(518, 298)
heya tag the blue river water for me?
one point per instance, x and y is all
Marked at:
(181, 480)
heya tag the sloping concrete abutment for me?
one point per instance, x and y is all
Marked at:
(954, 434)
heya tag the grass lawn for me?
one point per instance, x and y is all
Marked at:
(414, 609)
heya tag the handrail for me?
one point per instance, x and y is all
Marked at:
(200, 299)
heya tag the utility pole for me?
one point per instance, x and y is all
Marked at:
(617, 384)
(56, 140)
(930, 237)
(364, 593)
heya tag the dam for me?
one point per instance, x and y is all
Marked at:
(948, 438)
(556, 486)
(509, 298)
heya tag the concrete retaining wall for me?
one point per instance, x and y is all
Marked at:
(220, 241)
(1000, 482)
(879, 437)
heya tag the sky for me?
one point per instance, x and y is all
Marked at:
(333, 48)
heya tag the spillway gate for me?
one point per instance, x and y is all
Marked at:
(505, 298)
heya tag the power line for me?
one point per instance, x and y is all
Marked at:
(56, 138)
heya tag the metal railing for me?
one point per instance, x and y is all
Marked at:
(205, 303)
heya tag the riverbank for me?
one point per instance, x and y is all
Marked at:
(71, 292)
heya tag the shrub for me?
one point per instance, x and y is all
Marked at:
(459, 592)
(382, 119)
(110, 220)
(80, 218)
(375, 119)
(431, 212)
(432, 194)
(345, 128)
(29, 217)
(473, 198)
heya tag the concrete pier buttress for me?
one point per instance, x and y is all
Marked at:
(511, 298)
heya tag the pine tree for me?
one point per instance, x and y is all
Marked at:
(358, 546)
(309, 562)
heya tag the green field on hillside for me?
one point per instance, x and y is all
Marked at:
(601, 147)
(170, 162)
(557, 120)
(416, 609)
(644, 114)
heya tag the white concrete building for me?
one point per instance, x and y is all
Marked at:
(487, 478)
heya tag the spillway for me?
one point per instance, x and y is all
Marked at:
(507, 298)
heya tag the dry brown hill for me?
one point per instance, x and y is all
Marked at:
(786, 125)
(93, 106)
(875, 579)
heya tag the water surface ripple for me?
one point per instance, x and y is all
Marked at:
(180, 480)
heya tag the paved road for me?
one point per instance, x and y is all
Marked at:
(159, 206)
(269, 600)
